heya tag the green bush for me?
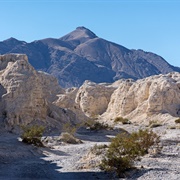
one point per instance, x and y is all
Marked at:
(89, 123)
(125, 149)
(68, 134)
(70, 128)
(177, 121)
(32, 135)
(122, 120)
(98, 149)
(99, 126)
(69, 138)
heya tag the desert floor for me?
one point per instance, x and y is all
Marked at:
(19, 161)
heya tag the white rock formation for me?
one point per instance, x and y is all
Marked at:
(93, 98)
(27, 95)
(67, 101)
(153, 97)
(5, 59)
(89, 101)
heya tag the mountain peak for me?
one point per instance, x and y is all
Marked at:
(13, 41)
(80, 34)
(82, 28)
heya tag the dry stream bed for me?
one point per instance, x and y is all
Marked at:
(19, 161)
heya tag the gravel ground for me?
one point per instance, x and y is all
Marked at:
(19, 161)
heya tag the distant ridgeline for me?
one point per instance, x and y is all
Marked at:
(81, 55)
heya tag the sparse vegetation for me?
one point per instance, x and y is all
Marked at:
(177, 121)
(125, 149)
(122, 120)
(154, 124)
(99, 126)
(70, 128)
(171, 127)
(98, 149)
(68, 134)
(32, 135)
(69, 138)
(89, 123)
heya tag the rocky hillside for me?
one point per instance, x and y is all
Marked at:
(152, 98)
(26, 95)
(30, 97)
(156, 97)
(81, 55)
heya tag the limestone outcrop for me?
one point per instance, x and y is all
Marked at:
(27, 95)
(89, 101)
(93, 99)
(153, 97)
(67, 101)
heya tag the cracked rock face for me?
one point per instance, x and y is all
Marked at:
(67, 101)
(89, 101)
(27, 95)
(153, 98)
(93, 98)
(145, 98)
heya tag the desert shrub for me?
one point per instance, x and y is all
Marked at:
(70, 128)
(154, 124)
(88, 123)
(177, 121)
(171, 127)
(32, 135)
(98, 149)
(122, 120)
(144, 140)
(99, 126)
(68, 135)
(95, 125)
(124, 150)
(69, 138)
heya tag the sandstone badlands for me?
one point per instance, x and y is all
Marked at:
(153, 98)
(28, 96)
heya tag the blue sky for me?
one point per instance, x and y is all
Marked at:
(151, 25)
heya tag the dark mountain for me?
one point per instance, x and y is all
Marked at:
(81, 55)
(9, 44)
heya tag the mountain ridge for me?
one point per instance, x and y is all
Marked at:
(81, 55)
